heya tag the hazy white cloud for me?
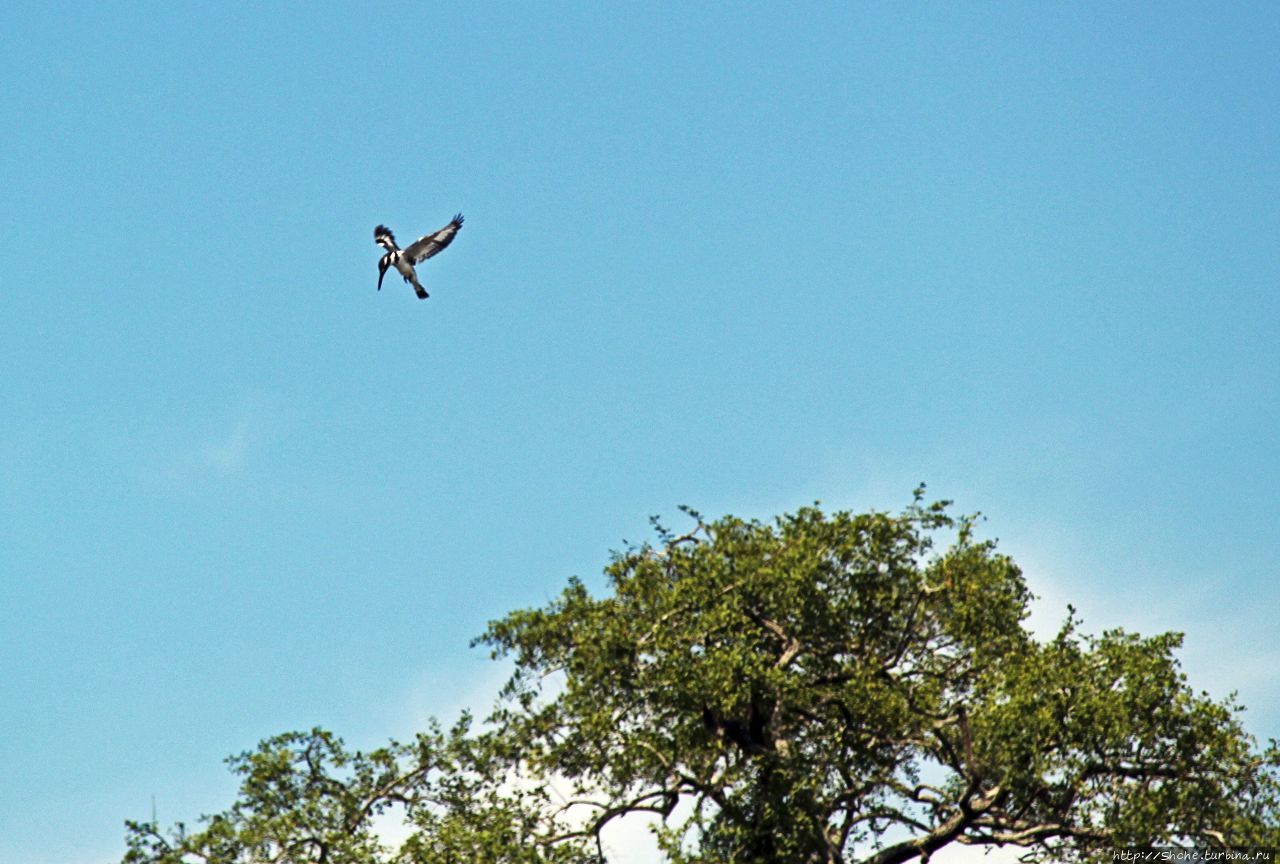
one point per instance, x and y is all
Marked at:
(445, 697)
(229, 454)
(1227, 647)
(956, 853)
(217, 451)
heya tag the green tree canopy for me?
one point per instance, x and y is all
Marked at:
(821, 688)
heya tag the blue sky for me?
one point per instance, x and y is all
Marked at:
(740, 260)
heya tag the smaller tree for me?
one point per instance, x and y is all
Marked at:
(823, 688)
(304, 797)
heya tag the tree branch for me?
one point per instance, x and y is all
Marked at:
(971, 808)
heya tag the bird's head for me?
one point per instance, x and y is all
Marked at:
(383, 264)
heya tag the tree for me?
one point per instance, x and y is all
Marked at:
(822, 688)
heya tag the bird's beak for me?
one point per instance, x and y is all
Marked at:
(382, 271)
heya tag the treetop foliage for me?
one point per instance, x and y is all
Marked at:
(819, 688)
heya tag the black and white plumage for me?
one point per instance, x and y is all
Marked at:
(415, 253)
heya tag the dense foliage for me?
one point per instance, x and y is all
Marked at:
(823, 688)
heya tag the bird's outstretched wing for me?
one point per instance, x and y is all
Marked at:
(383, 237)
(424, 247)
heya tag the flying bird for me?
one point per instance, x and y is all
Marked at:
(415, 253)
